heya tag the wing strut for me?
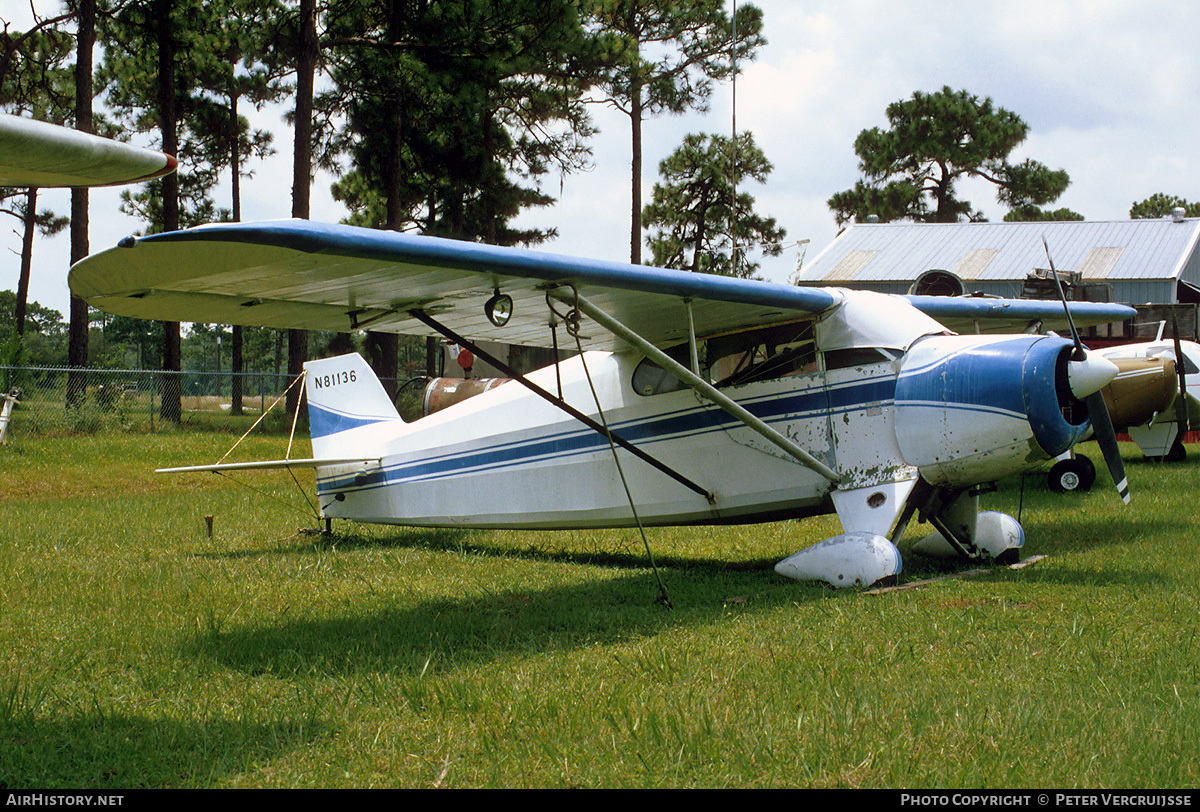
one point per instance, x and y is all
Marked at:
(702, 387)
(479, 352)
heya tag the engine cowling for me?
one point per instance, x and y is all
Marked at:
(1143, 388)
(973, 409)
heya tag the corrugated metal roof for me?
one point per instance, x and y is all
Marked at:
(1002, 252)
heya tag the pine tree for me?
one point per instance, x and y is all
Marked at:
(33, 81)
(700, 220)
(933, 141)
(454, 111)
(155, 52)
(666, 54)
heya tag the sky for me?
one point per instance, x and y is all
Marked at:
(1109, 89)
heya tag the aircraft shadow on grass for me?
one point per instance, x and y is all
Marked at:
(625, 554)
(471, 629)
(462, 631)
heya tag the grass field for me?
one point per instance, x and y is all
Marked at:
(138, 652)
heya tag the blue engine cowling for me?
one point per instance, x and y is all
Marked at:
(973, 409)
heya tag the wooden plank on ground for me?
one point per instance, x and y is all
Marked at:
(964, 574)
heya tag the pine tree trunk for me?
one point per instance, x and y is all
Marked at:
(306, 70)
(29, 224)
(171, 407)
(77, 342)
(635, 227)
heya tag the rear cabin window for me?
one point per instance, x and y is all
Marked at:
(651, 379)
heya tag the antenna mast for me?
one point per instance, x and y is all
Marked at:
(733, 115)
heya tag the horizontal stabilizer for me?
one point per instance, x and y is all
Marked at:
(269, 464)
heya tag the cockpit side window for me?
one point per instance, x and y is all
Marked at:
(858, 357)
(763, 355)
(739, 358)
(651, 379)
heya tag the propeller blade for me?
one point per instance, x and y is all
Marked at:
(1181, 409)
(1062, 295)
(1106, 437)
(1102, 427)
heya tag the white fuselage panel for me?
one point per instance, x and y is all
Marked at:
(508, 458)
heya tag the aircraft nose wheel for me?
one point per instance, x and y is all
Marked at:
(1072, 475)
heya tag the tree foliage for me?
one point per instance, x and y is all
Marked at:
(34, 80)
(455, 112)
(1160, 204)
(934, 141)
(44, 340)
(234, 71)
(699, 218)
(33, 75)
(664, 57)
(449, 116)
(22, 205)
(141, 42)
(1031, 214)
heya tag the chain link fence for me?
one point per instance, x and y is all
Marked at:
(62, 400)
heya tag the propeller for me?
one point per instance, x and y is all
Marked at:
(1102, 426)
(1181, 409)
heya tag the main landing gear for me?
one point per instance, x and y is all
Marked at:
(863, 556)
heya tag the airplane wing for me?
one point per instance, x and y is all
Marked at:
(967, 315)
(306, 275)
(34, 153)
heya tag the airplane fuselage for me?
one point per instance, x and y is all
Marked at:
(509, 459)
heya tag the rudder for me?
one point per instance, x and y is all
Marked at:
(345, 400)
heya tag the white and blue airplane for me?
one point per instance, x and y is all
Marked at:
(727, 400)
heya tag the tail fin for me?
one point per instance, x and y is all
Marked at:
(346, 405)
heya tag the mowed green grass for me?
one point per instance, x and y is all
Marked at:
(137, 652)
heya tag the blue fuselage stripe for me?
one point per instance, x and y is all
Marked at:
(684, 424)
